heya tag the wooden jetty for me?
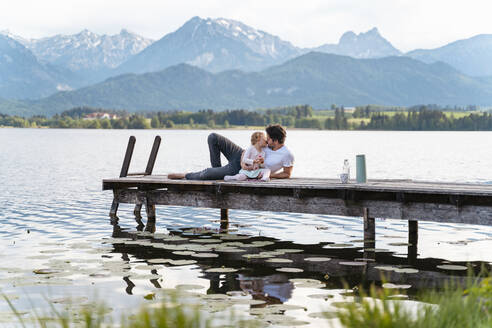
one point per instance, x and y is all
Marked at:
(389, 199)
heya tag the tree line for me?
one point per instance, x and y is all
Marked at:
(302, 116)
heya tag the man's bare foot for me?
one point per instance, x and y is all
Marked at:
(176, 176)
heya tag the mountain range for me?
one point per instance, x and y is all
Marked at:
(363, 45)
(49, 68)
(471, 56)
(22, 75)
(91, 56)
(314, 78)
(215, 45)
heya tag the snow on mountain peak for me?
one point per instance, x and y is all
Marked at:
(258, 41)
(17, 38)
(88, 50)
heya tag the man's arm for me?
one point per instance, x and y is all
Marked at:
(285, 174)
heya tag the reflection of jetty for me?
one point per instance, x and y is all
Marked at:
(390, 199)
(334, 272)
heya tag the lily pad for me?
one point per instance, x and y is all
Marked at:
(184, 253)
(364, 259)
(341, 304)
(189, 287)
(323, 315)
(205, 241)
(262, 243)
(317, 259)
(246, 301)
(338, 245)
(385, 268)
(289, 250)
(376, 250)
(215, 297)
(406, 270)
(389, 285)
(221, 270)
(279, 260)
(353, 263)
(205, 255)
(452, 267)
(271, 253)
(237, 293)
(286, 307)
(147, 267)
(304, 281)
(234, 237)
(257, 256)
(230, 250)
(159, 261)
(289, 270)
(263, 311)
(145, 276)
(69, 300)
(182, 262)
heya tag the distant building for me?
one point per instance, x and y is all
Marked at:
(100, 116)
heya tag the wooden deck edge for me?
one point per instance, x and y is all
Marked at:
(481, 215)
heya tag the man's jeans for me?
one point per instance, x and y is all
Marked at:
(218, 144)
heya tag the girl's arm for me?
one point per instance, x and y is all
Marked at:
(246, 161)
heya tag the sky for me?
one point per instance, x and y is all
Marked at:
(407, 24)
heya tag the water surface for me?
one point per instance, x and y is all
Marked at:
(54, 216)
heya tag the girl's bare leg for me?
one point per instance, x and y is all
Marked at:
(266, 175)
(238, 177)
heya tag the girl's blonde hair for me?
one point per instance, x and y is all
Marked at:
(256, 136)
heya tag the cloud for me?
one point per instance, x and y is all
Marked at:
(408, 24)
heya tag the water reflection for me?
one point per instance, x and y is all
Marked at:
(255, 262)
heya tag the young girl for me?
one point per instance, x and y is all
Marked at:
(252, 161)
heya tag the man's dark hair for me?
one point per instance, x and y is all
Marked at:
(276, 132)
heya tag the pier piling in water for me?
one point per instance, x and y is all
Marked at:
(224, 219)
(413, 237)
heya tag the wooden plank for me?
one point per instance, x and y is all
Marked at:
(455, 189)
(344, 192)
(128, 156)
(153, 155)
(315, 205)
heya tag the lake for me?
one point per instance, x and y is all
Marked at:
(54, 220)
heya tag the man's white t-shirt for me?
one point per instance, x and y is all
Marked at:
(277, 159)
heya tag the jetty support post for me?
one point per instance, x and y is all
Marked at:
(114, 210)
(150, 210)
(148, 171)
(369, 235)
(123, 173)
(413, 237)
(224, 219)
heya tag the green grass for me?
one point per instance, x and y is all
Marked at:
(456, 306)
(168, 313)
(466, 305)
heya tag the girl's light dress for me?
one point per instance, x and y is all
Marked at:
(249, 156)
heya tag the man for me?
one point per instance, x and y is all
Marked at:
(277, 157)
